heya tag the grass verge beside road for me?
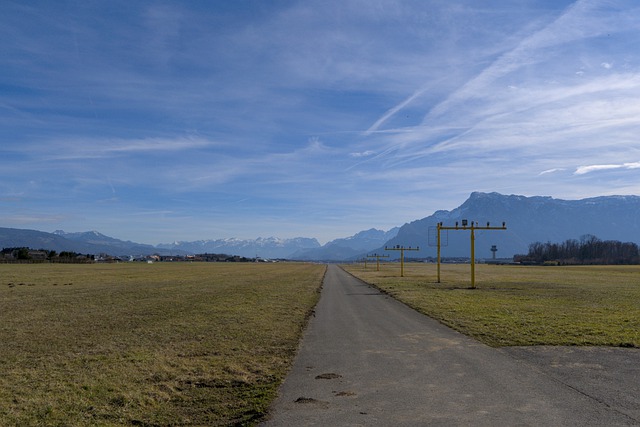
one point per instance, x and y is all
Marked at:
(140, 344)
(521, 305)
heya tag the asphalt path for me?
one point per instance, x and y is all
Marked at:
(366, 359)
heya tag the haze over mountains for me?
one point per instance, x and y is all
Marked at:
(349, 247)
(528, 219)
(270, 247)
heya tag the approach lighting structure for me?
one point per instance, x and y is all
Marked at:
(465, 226)
(377, 257)
(401, 249)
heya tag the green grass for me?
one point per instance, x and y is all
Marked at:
(520, 305)
(139, 344)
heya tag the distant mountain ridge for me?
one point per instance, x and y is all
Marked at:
(90, 242)
(528, 219)
(93, 242)
(348, 247)
(270, 247)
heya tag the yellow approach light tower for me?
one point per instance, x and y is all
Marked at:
(401, 249)
(377, 257)
(465, 226)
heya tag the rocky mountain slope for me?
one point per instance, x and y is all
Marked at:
(528, 220)
(348, 247)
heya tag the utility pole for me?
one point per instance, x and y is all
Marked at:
(474, 226)
(401, 249)
(377, 257)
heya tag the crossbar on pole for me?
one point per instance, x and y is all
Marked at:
(402, 249)
(474, 226)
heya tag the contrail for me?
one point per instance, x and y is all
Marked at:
(393, 111)
(563, 29)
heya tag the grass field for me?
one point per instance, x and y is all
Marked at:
(522, 305)
(209, 343)
(139, 344)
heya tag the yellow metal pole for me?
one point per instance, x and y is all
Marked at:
(402, 249)
(474, 226)
(439, 226)
(377, 257)
(473, 257)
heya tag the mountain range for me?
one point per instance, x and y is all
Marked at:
(528, 220)
(270, 247)
(89, 242)
(348, 247)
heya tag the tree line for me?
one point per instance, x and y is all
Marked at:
(588, 250)
(28, 255)
(25, 254)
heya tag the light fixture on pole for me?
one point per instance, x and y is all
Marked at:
(401, 249)
(465, 226)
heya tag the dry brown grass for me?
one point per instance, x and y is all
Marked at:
(139, 344)
(519, 305)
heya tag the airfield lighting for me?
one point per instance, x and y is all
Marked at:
(377, 257)
(402, 249)
(472, 228)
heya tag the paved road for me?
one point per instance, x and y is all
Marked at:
(367, 359)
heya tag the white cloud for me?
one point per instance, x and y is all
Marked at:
(554, 170)
(176, 109)
(394, 110)
(367, 153)
(75, 148)
(581, 170)
(581, 20)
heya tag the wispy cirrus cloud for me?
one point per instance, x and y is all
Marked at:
(198, 113)
(553, 170)
(98, 148)
(581, 170)
(580, 21)
(550, 117)
(361, 154)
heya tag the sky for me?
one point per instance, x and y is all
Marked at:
(159, 121)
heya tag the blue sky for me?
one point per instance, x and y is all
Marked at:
(156, 121)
